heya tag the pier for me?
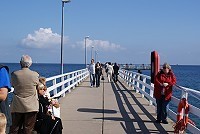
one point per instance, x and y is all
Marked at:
(127, 106)
(136, 66)
(113, 108)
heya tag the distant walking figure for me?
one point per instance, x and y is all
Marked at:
(25, 105)
(115, 74)
(110, 71)
(91, 69)
(164, 81)
(98, 73)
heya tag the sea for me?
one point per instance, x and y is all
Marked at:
(186, 75)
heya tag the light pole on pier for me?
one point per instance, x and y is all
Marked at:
(86, 37)
(96, 55)
(62, 32)
(92, 52)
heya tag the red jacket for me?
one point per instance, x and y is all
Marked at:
(161, 78)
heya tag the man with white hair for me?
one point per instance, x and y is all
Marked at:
(25, 105)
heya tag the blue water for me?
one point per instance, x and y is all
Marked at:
(46, 70)
(186, 75)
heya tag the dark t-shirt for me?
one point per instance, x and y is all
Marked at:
(116, 69)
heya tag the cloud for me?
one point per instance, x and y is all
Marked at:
(43, 38)
(101, 45)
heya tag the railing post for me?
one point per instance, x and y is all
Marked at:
(127, 77)
(63, 85)
(62, 79)
(76, 80)
(143, 86)
(79, 78)
(134, 81)
(138, 84)
(124, 75)
(151, 94)
(55, 90)
(82, 76)
(73, 79)
(130, 79)
(68, 83)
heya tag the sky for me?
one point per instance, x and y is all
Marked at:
(119, 31)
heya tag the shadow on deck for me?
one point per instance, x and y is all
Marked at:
(113, 108)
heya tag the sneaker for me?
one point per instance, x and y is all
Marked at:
(158, 121)
(165, 122)
(91, 86)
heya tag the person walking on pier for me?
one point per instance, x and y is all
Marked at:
(91, 69)
(5, 87)
(164, 81)
(110, 71)
(25, 105)
(98, 73)
(115, 74)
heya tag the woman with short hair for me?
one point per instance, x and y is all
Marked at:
(164, 81)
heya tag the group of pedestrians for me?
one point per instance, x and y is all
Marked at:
(24, 110)
(164, 81)
(112, 72)
(95, 71)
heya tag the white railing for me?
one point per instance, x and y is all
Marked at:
(63, 83)
(58, 85)
(142, 84)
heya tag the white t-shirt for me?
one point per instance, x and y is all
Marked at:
(91, 68)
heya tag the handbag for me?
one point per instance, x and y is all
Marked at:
(102, 77)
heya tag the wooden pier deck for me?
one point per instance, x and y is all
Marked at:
(113, 108)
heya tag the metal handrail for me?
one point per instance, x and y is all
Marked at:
(134, 80)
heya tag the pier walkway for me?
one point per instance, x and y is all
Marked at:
(113, 108)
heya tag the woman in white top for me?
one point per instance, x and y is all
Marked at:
(110, 71)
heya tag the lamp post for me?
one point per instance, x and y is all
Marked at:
(92, 52)
(86, 37)
(96, 55)
(62, 32)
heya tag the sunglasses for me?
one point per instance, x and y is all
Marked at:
(165, 68)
